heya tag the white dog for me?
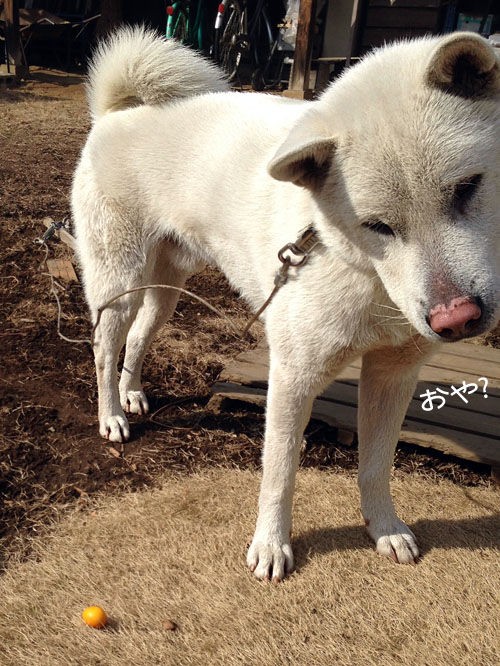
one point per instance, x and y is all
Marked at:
(396, 169)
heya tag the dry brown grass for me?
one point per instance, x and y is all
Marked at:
(178, 553)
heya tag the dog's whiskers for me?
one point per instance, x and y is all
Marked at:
(415, 343)
(389, 307)
(399, 317)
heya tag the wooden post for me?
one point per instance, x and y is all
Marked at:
(299, 77)
(13, 39)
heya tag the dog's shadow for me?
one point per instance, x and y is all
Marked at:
(469, 533)
(465, 533)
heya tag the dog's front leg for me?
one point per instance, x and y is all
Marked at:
(388, 380)
(289, 403)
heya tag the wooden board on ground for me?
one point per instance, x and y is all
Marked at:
(467, 424)
(62, 269)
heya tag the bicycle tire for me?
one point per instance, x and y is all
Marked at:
(263, 47)
(269, 74)
(261, 36)
(258, 81)
(229, 41)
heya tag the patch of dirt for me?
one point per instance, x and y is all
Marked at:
(51, 455)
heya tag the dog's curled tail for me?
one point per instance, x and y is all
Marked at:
(134, 66)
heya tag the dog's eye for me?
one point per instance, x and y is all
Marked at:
(464, 191)
(379, 227)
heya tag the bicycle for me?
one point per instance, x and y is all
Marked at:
(185, 22)
(239, 37)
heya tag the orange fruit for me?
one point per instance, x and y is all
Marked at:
(95, 617)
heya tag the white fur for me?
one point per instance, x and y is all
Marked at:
(134, 67)
(187, 176)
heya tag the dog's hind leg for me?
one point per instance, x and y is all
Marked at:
(157, 307)
(388, 380)
(109, 338)
(111, 264)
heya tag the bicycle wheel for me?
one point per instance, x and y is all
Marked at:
(261, 36)
(270, 74)
(263, 46)
(230, 40)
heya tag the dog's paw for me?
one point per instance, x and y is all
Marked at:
(270, 560)
(115, 428)
(395, 540)
(135, 402)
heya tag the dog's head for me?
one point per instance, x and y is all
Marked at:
(402, 156)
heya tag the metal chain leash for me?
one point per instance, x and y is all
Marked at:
(292, 254)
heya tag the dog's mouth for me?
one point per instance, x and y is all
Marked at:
(460, 318)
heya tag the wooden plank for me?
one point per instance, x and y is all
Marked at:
(466, 364)
(62, 269)
(469, 349)
(455, 413)
(477, 406)
(468, 446)
(443, 367)
(464, 357)
(470, 431)
(439, 371)
(236, 391)
(251, 367)
(433, 373)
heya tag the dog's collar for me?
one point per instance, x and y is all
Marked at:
(292, 254)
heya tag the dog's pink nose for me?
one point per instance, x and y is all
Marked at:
(454, 320)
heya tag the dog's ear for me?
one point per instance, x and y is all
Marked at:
(305, 156)
(464, 64)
